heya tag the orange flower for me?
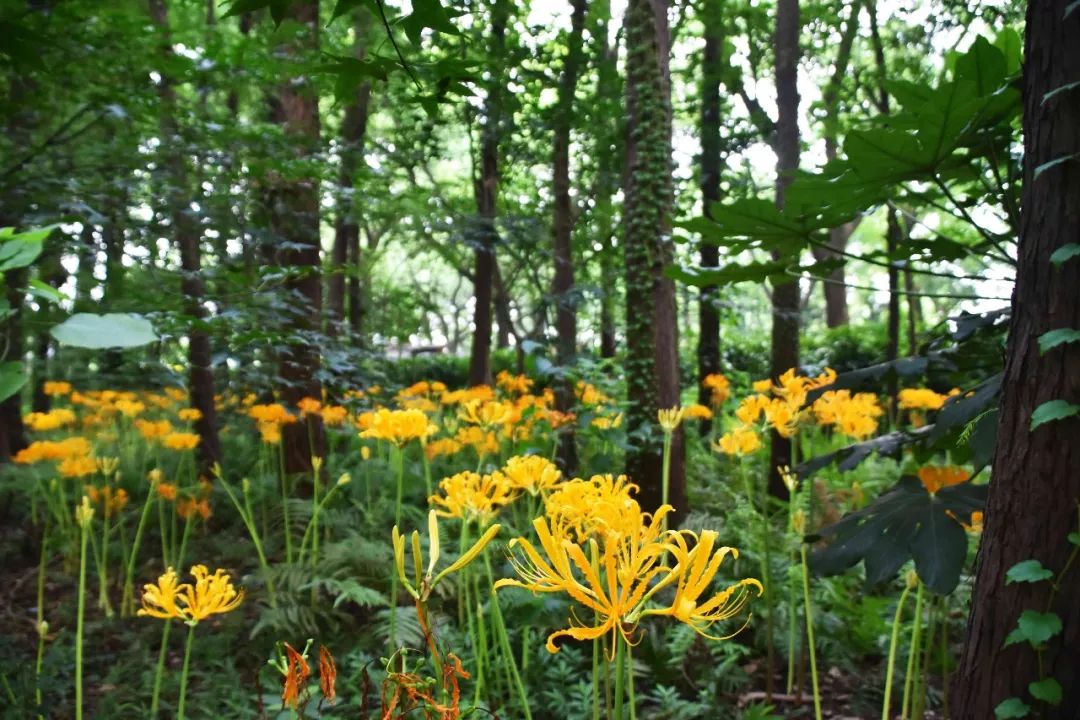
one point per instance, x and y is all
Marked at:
(327, 674)
(936, 478)
(187, 508)
(167, 491)
(190, 415)
(309, 406)
(295, 677)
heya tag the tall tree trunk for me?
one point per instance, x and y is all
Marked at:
(893, 235)
(652, 359)
(834, 290)
(1032, 504)
(12, 431)
(708, 353)
(606, 123)
(294, 205)
(486, 190)
(562, 287)
(785, 294)
(346, 226)
(188, 238)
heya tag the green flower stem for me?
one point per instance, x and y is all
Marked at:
(397, 461)
(184, 540)
(630, 682)
(313, 524)
(913, 652)
(127, 596)
(249, 522)
(808, 609)
(286, 523)
(427, 467)
(166, 551)
(792, 603)
(184, 672)
(893, 642)
(504, 640)
(103, 568)
(666, 476)
(85, 534)
(766, 565)
(596, 680)
(159, 670)
(41, 615)
(918, 704)
(618, 709)
(312, 529)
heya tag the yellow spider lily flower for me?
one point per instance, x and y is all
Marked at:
(694, 573)
(424, 582)
(192, 603)
(669, 419)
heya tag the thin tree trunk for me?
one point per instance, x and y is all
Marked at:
(914, 313)
(785, 295)
(188, 238)
(562, 287)
(1032, 503)
(652, 362)
(486, 190)
(606, 123)
(346, 227)
(708, 354)
(294, 205)
(835, 292)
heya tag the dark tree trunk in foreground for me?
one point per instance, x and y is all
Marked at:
(294, 205)
(562, 287)
(785, 294)
(652, 362)
(1032, 506)
(486, 191)
(708, 354)
(12, 431)
(187, 236)
(346, 251)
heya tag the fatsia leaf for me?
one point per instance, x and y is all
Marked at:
(1065, 252)
(1028, 571)
(904, 523)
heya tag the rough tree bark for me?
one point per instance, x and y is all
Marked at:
(562, 286)
(708, 352)
(652, 362)
(294, 217)
(785, 295)
(188, 238)
(346, 249)
(1032, 505)
(486, 190)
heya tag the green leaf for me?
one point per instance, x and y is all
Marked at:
(1011, 46)
(19, 250)
(1027, 571)
(96, 332)
(1048, 690)
(1040, 169)
(904, 523)
(1074, 538)
(1065, 252)
(984, 65)
(44, 291)
(1012, 708)
(427, 14)
(1060, 89)
(1035, 628)
(12, 378)
(344, 6)
(1051, 411)
(1057, 337)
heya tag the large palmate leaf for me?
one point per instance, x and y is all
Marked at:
(19, 250)
(906, 523)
